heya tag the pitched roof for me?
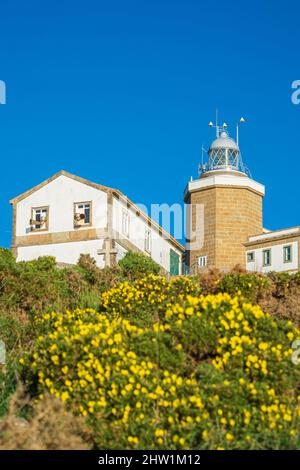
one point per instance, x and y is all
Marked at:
(52, 178)
(115, 192)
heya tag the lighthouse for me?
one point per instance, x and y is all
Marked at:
(224, 208)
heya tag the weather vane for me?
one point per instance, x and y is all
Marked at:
(224, 126)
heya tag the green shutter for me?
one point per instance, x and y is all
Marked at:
(174, 263)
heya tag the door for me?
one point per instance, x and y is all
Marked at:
(174, 263)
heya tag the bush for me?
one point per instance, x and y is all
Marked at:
(101, 279)
(207, 372)
(135, 265)
(50, 427)
(7, 261)
(17, 336)
(143, 300)
(251, 286)
(28, 289)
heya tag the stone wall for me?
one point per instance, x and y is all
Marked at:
(231, 215)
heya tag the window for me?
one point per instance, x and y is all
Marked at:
(82, 214)
(125, 223)
(148, 240)
(250, 257)
(266, 257)
(39, 218)
(287, 254)
(202, 261)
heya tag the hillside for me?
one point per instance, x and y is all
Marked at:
(127, 358)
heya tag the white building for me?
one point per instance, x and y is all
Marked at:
(67, 215)
(274, 251)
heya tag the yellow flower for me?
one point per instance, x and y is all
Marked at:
(189, 311)
(133, 440)
(64, 396)
(229, 436)
(55, 359)
(263, 346)
(287, 417)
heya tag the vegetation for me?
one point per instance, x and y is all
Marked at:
(135, 266)
(142, 361)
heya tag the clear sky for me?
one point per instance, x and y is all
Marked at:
(120, 92)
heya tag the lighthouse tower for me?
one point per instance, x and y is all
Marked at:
(224, 208)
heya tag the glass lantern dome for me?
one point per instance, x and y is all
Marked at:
(224, 154)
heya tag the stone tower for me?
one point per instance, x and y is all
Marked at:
(224, 208)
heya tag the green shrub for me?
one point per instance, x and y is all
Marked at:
(17, 336)
(135, 266)
(7, 260)
(251, 286)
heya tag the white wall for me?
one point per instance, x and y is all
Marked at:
(160, 246)
(277, 263)
(213, 178)
(121, 252)
(63, 252)
(60, 195)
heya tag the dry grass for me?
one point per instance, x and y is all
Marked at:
(51, 427)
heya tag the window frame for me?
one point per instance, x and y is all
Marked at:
(251, 253)
(148, 240)
(33, 214)
(204, 258)
(283, 253)
(90, 223)
(263, 256)
(125, 213)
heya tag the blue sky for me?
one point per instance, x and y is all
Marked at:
(121, 93)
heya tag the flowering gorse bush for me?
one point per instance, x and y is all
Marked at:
(207, 371)
(146, 299)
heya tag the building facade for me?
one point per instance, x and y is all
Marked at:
(66, 216)
(274, 251)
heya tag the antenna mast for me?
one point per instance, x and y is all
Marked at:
(241, 121)
(202, 167)
(216, 125)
